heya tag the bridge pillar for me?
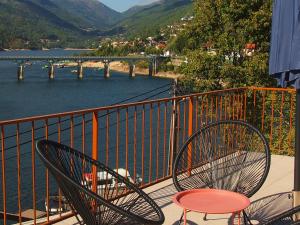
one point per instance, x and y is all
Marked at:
(155, 67)
(21, 72)
(131, 70)
(106, 70)
(151, 68)
(51, 72)
(80, 71)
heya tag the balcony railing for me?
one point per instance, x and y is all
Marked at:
(143, 138)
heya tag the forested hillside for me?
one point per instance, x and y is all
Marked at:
(146, 20)
(52, 23)
(78, 23)
(92, 12)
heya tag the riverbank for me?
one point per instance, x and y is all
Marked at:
(80, 49)
(120, 67)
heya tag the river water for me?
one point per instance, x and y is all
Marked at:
(37, 95)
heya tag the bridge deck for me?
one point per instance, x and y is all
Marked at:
(76, 58)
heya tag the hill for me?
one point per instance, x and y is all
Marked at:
(52, 23)
(91, 12)
(73, 23)
(136, 9)
(146, 20)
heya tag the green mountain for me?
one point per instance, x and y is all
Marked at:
(144, 20)
(52, 23)
(74, 23)
(92, 12)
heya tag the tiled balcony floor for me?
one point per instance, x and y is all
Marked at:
(280, 179)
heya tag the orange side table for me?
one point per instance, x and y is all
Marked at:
(211, 201)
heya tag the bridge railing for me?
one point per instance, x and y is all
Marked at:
(79, 58)
(142, 138)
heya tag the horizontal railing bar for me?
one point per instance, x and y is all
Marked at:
(291, 90)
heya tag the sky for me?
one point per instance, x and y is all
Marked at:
(122, 5)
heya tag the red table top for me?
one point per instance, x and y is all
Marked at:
(211, 201)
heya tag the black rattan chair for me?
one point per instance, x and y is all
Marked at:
(276, 209)
(229, 155)
(98, 194)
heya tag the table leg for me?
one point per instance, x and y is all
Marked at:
(184, 216)
(239, 217)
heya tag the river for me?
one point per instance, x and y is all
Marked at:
(37, 95)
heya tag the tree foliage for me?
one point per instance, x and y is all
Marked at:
(215, 44)
(148, 20)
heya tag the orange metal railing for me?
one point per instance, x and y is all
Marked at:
(143, 138)
(272, 110)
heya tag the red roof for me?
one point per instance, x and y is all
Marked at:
(250, 46)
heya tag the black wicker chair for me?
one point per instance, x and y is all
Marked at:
(117, 201)
(229, 155)
(276, 209)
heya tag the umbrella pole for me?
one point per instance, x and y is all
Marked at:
(297, 155)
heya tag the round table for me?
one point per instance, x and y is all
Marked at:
(211, 201)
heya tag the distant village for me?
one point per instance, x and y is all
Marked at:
(158, 44)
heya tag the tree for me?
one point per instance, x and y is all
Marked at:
(178, 43)
(216, 41)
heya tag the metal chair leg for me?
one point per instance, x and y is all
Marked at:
(246, 218)
(181, 218)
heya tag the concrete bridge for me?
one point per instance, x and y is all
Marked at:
(106, 60)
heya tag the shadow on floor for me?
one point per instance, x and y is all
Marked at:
(188, 222)
(163, 196)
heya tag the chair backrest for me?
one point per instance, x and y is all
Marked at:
(230, 155)
(97, 193)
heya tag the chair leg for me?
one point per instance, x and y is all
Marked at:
(181, 218)
(246, 218)
(79, 221)
(76, 215)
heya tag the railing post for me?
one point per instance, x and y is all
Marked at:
(190, 132)
(191, 115)
(173, 136)
(245, 104)
(33, 170)
(297, 155)
(173, 131)
(47, 172)
(3, 176)
(95, 150)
